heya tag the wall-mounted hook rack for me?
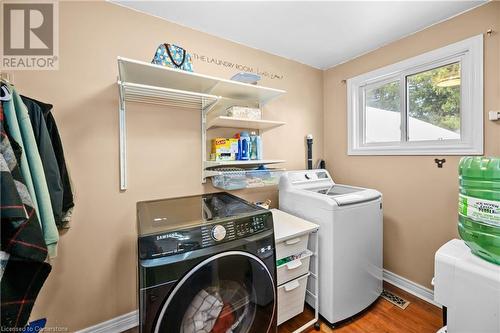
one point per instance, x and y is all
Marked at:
(7, 77)
(439, 162)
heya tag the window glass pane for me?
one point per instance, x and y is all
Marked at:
(383, 113)
(434, 104)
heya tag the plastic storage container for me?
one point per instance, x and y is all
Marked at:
(291, 246)
(243, 112)
(479, 206)
(294, 268)
(235, 180)
(291, 298)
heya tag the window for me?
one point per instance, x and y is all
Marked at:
(431, 104)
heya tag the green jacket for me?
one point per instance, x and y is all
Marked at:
(30, 148)
(15, 132)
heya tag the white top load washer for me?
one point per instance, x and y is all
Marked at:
(350, 239)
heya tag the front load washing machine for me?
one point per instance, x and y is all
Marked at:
(206, 264)
(350, 239)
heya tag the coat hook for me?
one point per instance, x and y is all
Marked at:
(6, 77)
(489, 32)
(439, 162)
(343, 81)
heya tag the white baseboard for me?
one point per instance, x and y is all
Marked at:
(116, 325)
(131, 319)
(411, 287)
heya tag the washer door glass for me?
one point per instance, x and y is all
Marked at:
(229, 292)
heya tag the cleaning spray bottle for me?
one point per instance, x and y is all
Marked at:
(245, 146)
(238, 154)
(253, 145)
(258, 143)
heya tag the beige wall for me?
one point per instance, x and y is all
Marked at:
(94, 276)
(420, 200)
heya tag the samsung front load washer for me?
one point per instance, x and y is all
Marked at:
(206, 264)
(350, 239)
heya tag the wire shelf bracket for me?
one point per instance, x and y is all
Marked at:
(133, 92)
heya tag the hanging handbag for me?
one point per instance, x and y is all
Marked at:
(174, 56)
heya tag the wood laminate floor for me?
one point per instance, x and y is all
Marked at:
(381, 317)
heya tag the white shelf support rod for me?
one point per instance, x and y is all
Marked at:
(123, 139)
(203, 144)
(204, 111)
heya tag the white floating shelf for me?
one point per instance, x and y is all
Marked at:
(212, 164)
(147, 74)
(223, 121)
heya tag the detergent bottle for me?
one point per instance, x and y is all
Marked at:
(253, 145)
(245, 145)
(238, 153)
(258, 147)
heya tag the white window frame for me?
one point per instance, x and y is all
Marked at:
(469, 53)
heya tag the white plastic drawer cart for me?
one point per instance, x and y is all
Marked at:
(297, 267)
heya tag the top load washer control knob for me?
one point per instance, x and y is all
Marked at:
(218, 232)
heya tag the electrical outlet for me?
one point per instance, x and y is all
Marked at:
(494, 115)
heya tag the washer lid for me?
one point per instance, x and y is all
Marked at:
(181, 213)
(347, 195)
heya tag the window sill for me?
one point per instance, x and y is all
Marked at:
(420, 151)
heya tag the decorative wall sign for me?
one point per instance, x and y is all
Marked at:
(237, 66)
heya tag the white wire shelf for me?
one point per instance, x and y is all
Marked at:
(134, 92)
(143, 82)
(230, 122)
(240, 179)
(213, 164)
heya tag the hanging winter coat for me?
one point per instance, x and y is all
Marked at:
(67, 200)
(22, 243)
(16, 114)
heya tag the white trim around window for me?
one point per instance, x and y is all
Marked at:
(469, 53)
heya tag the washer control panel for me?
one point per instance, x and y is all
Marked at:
(253, 225)
(240, 228)
(170, 243)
